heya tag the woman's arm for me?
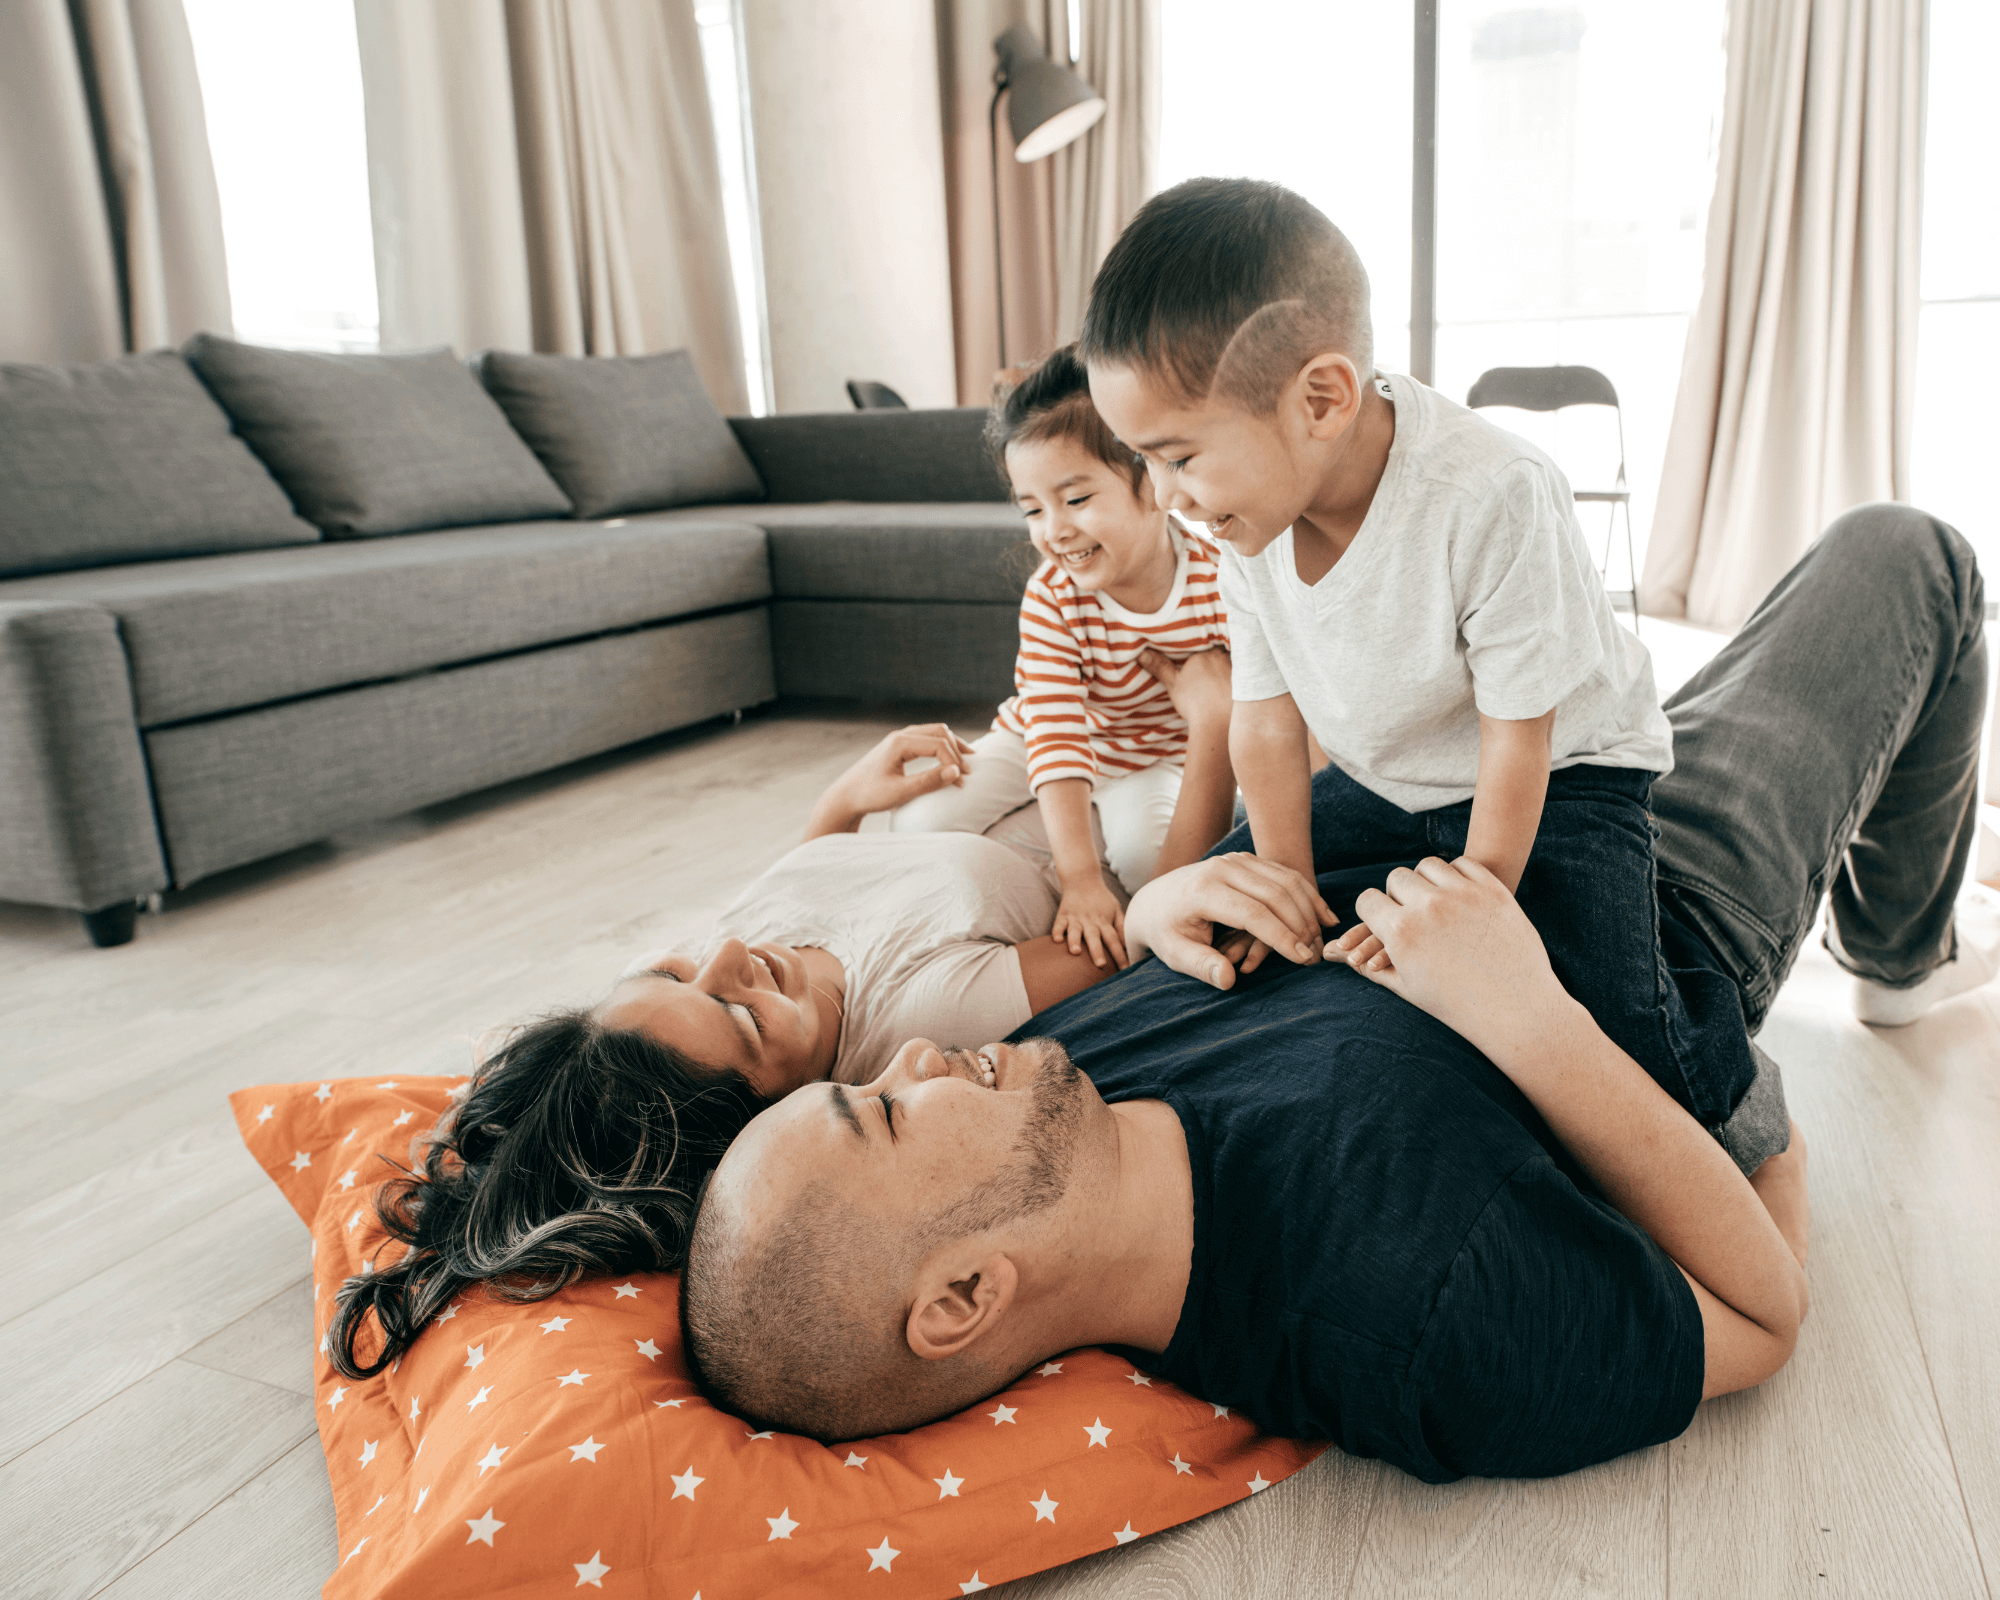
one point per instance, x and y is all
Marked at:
(1462, 950)
(1199, 689)
(877, 782)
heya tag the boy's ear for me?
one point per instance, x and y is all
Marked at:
(1330, 389)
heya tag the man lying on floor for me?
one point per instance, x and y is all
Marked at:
(1430, 1213)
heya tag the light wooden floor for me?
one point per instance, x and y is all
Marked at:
(150, 1275)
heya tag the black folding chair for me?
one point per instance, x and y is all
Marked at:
(868, 395)
(1552, 389)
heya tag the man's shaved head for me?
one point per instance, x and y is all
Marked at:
(799, 1282)
(1225, 288)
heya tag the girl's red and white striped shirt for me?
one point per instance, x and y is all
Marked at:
(1085, 706)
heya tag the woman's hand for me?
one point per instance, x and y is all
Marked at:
(1175, 916)
(1089, 918)
(1197, 685)
(878, 782)
(1458, 946)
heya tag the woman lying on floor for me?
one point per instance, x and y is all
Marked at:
(582, 1138)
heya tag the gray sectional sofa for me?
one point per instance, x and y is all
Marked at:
(249, 598)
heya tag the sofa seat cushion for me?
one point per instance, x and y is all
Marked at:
(378, 444)
(127, 460)
(622, 433)
(964, 551)
(233, 631)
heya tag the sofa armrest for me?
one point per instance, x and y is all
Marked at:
(76, 810)
(872, 456)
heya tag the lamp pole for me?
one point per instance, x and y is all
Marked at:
(999, 267)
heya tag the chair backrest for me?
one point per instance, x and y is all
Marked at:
(868, 395)
(1542, 388)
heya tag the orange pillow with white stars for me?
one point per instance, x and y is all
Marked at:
(527, 1450)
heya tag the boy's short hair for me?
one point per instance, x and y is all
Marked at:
(1053, 402)
(1226, 287)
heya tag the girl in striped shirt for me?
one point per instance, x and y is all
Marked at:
(1123, 598)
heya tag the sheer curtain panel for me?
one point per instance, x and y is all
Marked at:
(110, 229)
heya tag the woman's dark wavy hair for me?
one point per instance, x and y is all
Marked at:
(577, 1149)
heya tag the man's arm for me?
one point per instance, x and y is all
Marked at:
(1462, 950)
(1507, 798)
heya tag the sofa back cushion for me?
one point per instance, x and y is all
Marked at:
(880, 457)
(126, 460)
(622, 433)
(369, 445)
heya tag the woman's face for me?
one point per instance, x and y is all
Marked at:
(746, 1008)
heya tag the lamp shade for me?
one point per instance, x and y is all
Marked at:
(1047, 106)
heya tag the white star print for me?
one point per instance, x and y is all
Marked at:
(413, 1408)
(368, 1450)
(483, 1528)
(947, 1485)
(351, 1132)
(854, 1460)
(571, 1377)
(333, 1400)
(447, 1314)
(647, 1348)
(1220, 1411)
(628, 1290)
(299, 1164)
(1125, 1535)
(354, 1552)
(670, 1405)
(1045, 1508)
(377, 1506)
(351, 1221)
(478, 1400)
(592, 1571)
(781, 1525)
(1001, 1414)
(882, 1555)
(391, 1084)
(1180, 1466)
(492, 1457)
(1048, 1369)
(587, 1451)
(347, 1178)
(1138, 1378)
(1257, 1483)
(686, 1483)
(423, 1494)
(266, 1114)
(766, 1434)
(1098, 1434)
(474, 1354)
(323, 1093)
(367, 1267)
(426, 1439)
(555, 1325)
(405, 1117)
(972, 1585)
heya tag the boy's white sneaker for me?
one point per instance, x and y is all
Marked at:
(1975, 964)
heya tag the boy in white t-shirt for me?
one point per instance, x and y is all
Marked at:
(1405, 582)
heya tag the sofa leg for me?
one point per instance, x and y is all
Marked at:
(113, 925)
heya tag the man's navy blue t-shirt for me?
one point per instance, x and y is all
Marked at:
(1391, 1249)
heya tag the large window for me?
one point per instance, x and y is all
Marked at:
(281, 86)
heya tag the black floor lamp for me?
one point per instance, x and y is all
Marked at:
(1050, 106)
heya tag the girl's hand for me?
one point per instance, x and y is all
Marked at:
(1361, 949)
(1089, 917)
(1198, 685)
(878, 781)
(1175, 915)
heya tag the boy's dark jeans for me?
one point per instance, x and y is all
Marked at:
(1832, 745)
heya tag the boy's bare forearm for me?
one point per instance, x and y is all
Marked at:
(1267, 746)
(1207, 803)
(1507, 798)
(1066, 815)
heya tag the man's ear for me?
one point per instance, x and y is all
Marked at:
(1330, 389)
(959, 1302)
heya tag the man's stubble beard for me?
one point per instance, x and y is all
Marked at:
(1046, 1148)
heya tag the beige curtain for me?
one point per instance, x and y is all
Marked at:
(1797, 384)
(1059, 216)
(110, 229)
(543, 176)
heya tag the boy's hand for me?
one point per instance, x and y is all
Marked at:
(1089, 916)
(1198, 685)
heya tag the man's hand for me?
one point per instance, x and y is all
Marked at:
(878, 782)
(1175, 916)
(1458, 946)
(1197, 685)
(1089, 919)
